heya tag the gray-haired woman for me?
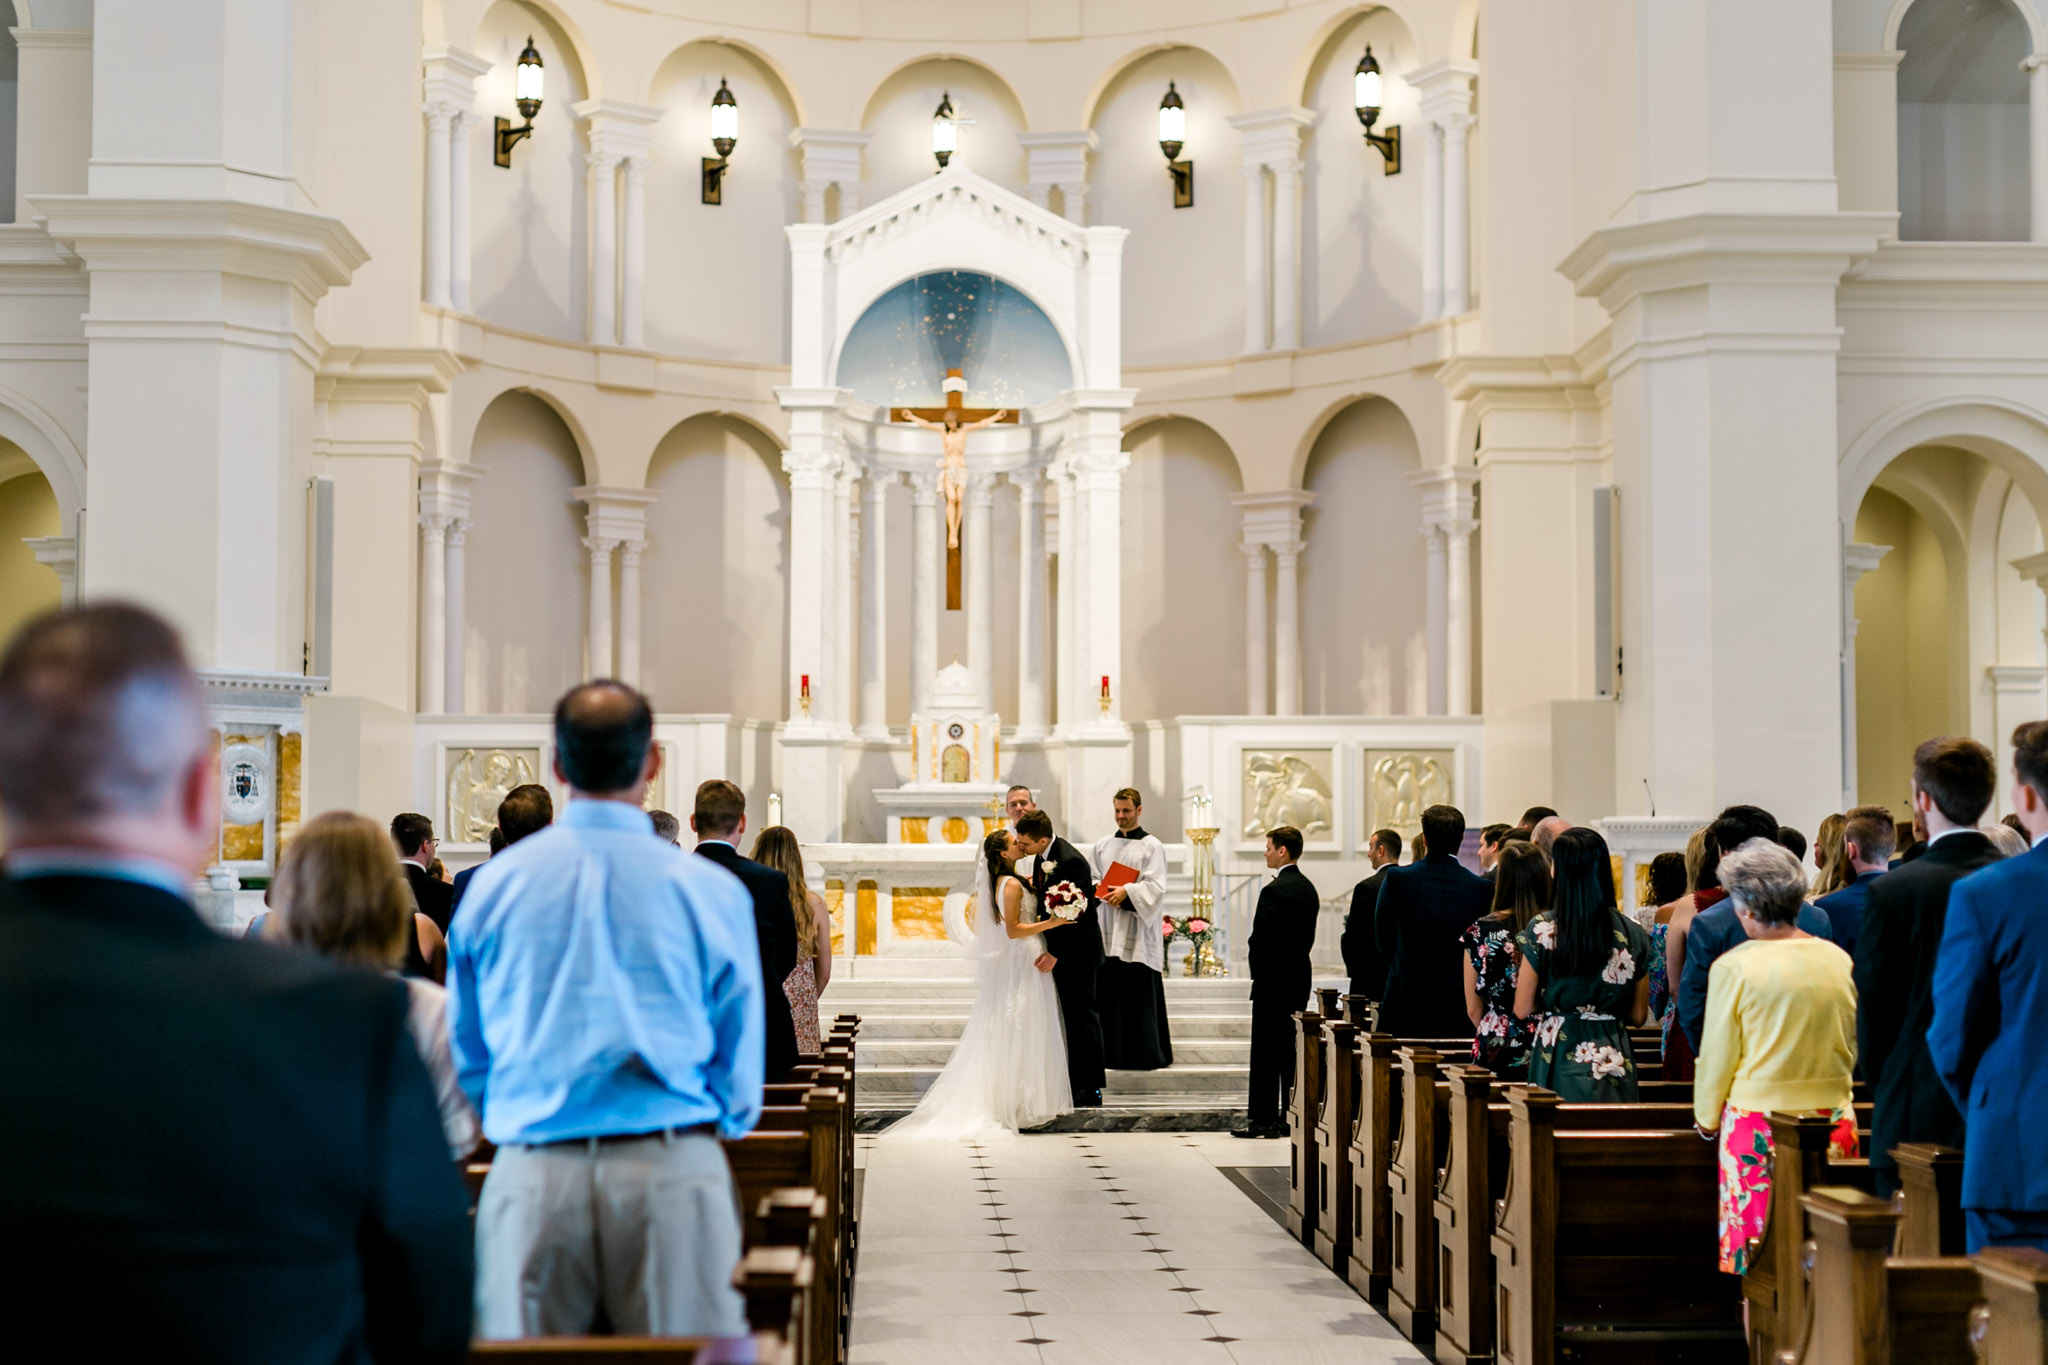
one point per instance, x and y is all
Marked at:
(1780, 1035)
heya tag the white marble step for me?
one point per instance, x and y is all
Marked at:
(848, 993)
(896, 1086)
(934, 1052)
(947, 1025)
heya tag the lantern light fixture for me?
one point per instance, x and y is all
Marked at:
(945, 130)
(1173, 135)
(526, 94)
(1367, 87)
(725, 135)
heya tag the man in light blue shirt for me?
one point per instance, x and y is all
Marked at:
(605, 1016)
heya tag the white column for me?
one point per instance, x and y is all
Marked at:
(633, 285)
(604, 233)
(1254, 258)
(1432, 222)
(980, 566)
(598, 644)
(1435, 618)
(1286, 255)
(926, 545)
(1074, 200)
(1457, 251)
(874, 596)
(849, 197)
(1078, 556)
(455, 590)
(1104, 484)
(629, 610)
(2036, 68)
(439, 119)
(813, 192)
(1031, 570)
(460, 153)
(1254, 628)
(58, 554)
(846, 594)
(1458, 617)
(1064, 671)
(433, 609)
(1287, 629)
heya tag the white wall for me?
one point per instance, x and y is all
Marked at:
(527, 574)
(1363, 646)
(1183, 578)
(717, 275)
(713, 585)
(528, 222)
(900, 116)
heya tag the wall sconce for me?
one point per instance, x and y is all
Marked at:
(526, 94)
(945, 131)
(1173, 135)
(725, 135)
(1365, 85)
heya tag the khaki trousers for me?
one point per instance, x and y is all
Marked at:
(648, 1229)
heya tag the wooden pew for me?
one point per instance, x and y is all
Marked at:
(1775, 1284)
(1411, 1186)
(1604, 1247)
(1930, 1200)
(801, 1148)
(796, 1219)
(1867, 1307)
(1304, 1106)
(1333, 1143)
(2013, 1329)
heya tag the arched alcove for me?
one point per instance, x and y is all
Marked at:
(1361, 263)
(1183, 582)
(717, 275)
(28, 508)
(530, 235)
(715, 576)
(1963, 163)
(899, 114)
(1364, 644)
(1906, 608)
(1007, 349)
(527, 573)
(1171, 249)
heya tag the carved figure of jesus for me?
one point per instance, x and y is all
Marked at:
(953, 470)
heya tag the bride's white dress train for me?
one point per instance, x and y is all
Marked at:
(1009, 1071)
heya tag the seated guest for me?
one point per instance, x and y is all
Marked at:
(777, 847)
(1781, 1035)
(337, 893)
(1990, 995)
(1424, 911)
(719, 820)
(1867, 835)
(214, 1150)
(667, 827)
(1521, 891)
(432, 897)
(1584, 979)
(1359, 944)
(605, 1012)
(1898, 944)
(526, 809)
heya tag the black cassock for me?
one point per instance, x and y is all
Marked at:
(1131, 999)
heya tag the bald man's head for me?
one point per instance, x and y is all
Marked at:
(1546, 832)
(604, 731)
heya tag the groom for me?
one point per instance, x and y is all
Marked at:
(1072, 952)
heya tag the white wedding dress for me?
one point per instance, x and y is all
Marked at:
(1009, 1070)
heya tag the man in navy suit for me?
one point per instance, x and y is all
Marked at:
(1991, 1011)
(1867, 841)
(526, 809)
(1424, 909)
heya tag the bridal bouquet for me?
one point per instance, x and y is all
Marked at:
(1065, 901)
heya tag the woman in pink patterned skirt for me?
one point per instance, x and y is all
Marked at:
(777, 847)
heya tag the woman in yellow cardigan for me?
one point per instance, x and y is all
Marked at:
(1780, 1035)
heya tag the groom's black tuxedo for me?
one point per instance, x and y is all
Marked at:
(1077, 950)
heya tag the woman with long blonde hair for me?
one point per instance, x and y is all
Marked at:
(1831, 870)
(777, 847)
(338, 892)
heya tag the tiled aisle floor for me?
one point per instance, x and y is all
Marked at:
(1079, 1248)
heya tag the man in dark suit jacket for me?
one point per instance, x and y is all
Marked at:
(1424, 909)
(1277, 954)
(432, 897)
(719, 821)
(1903, 922)
(1867, 840)
(1362, 960)
(526, 809)
(1075, 951)
(1990, 1013)
(214, 1149)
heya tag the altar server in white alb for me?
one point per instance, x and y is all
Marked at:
(1131, 865)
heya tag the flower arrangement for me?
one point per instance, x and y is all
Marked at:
(1065, 901)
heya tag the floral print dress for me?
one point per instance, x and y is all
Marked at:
(1581, 1048)
(1501, 1042)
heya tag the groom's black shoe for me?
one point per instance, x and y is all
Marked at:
(1260, 1130)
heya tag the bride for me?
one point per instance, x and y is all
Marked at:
(1009, 1070)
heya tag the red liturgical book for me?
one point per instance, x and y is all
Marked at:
(1119, 874)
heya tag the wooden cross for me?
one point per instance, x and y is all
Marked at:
(954, 417)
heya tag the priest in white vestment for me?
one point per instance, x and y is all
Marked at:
(1129, 993)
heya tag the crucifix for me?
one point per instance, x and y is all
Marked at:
(953, 422)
